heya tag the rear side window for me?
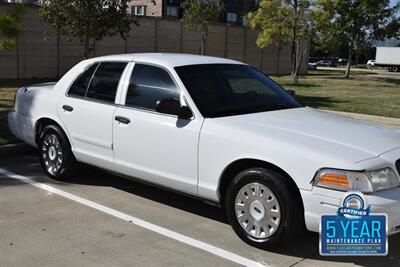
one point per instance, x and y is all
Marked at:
(80, 86)
(148, 85)
(105, 81)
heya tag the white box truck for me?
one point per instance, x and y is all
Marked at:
(388, 57)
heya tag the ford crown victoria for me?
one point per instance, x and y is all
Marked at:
(212, 128)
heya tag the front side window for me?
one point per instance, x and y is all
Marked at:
(232, 89)
(139, 10)
(148, 85)
(81, 84)
(105, 81)
(231, 17)
(172, 11)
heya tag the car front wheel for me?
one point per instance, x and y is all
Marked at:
(262, 209)
(55, 153)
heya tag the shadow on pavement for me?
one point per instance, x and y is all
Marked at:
(305, 246)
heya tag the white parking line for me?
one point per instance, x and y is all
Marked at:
(149, 226)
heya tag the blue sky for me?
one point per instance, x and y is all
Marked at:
(393, 2)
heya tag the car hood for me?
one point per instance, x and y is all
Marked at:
(337, 135)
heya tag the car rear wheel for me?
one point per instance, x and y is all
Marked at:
(55, 153)
(262, 208)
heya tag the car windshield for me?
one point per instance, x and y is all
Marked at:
(232, 89)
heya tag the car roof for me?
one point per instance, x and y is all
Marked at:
(167, 59)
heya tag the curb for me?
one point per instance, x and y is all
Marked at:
(15, 149)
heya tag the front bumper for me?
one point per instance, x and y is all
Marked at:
(322, 201)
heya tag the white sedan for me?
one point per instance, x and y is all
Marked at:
(212, 128)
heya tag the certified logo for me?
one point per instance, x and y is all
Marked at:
(353, 230)
(354, 206)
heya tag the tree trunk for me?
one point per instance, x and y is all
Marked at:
(356, 58)
(86, 52)
(295, 48)
(297, 61)
(203, 44)
(278, 60)
(349, 58)
(298, 66)
(294, 55)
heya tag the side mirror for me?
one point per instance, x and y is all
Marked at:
(172, 106)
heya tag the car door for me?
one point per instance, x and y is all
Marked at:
(156, 147)
(88, 110)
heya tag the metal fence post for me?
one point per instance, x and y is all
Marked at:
(226, 42)
(17, 55)
(155, 33)
(244, 44)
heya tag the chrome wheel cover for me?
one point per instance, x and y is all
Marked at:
(257, 210)
(52, 154)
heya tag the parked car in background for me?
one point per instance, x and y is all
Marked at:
(312, 66)
(214, 128)
(388, 57)
(326, 63)
(342, 61)
(371, 64)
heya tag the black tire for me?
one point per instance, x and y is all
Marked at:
(291, 211)
(63, 169)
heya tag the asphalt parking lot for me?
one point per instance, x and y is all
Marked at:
(97, 219)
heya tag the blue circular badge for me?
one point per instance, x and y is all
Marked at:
(354, 205)
(354, 201)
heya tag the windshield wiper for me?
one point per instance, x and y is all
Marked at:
(232, 110)
(239, 110)
(278, 107)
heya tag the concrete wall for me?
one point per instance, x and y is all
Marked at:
(47, 56)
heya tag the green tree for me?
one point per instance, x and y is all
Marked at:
(282, 22)
(199, 14)
(10, 27)
(359, 22)
(88, 20)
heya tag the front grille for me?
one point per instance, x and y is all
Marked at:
(398, 166)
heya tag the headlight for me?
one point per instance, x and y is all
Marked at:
(383, 179)
(366, 182)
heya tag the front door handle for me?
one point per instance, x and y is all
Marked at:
(122, 119)
(67, 108)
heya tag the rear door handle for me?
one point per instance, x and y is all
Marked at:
(122, 119)
(67, 108)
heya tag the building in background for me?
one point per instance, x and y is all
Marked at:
(32, 2)
(235, 10)
(151, 8)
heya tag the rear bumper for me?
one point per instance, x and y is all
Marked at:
(321, 201)
(23, 127)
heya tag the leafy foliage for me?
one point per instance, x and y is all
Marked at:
(88, 20)
(357, 22)
(10, 27)
(199, 14)
(281, 22)
(272, 19)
